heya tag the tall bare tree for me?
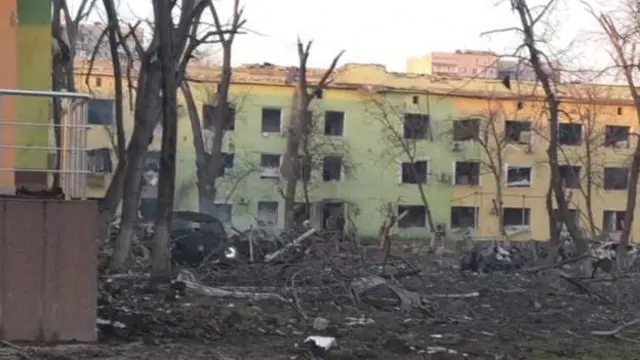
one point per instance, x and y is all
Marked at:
(485, 128)
(160, 261)
(540, 62)
(623, 37)
(403, 134)
(300, 125)
(208, 164)
(147, 113)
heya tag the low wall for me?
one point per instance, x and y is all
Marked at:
(48, 270)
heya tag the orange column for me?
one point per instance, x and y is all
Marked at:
(8, 80)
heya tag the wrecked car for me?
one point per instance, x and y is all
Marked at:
(492, 257)
(605, 256)
(199, 238)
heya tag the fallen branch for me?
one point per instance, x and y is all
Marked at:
(556, 265)
(455, 296)
(189, 280)
(295, 242)
(581, 286)
(616, 330)
(19, 351)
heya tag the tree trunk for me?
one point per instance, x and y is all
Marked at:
(202, 158)
(57, 84)
(146, 118)
(160, 259)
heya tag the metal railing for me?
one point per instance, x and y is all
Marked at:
(73, 149)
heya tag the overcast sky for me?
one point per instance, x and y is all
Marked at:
(387, 32)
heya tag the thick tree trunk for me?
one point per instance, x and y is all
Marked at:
(146, 118)
(160, 259)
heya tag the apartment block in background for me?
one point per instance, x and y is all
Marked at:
(362, 120)
(89, 34)
(461, 63)
(474, 63)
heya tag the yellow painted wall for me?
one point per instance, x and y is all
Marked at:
(34, 61)
(534, 197)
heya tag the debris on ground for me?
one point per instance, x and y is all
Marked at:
(294, 297)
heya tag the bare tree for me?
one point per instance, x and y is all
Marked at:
(208, 164)
(540, 62)
(160, 260)
(117, 40)
(127, 178)
(623, 36)
(300, 125)
(590, 159)
(403, 132)
(64, 53)
(485, 130)
(323, 156)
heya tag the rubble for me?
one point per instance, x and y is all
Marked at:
(394, 302)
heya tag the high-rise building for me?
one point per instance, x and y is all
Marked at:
(473, 63)
(89, 38)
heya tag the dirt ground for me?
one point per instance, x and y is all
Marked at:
(516, 315)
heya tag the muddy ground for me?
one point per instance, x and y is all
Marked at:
(516, 315)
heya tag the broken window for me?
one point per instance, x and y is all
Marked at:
(518, 132)
(268, 213)
(331, 168)
(569, 134)
(616, 136)
(271, 120)
(416, 216)
(416, 127)
(518, 176)
(466, 129)
(464, 217)
(415, 173)
(210, 117)
(516, 218)
(226, 164)
(223, 212)
(616, 178)
(101, 112)
(570, 176)
(334, 123)
(99, 160)
(333, 216)
(612, 220)
(270, 166)
(301, 212)
(467, 173)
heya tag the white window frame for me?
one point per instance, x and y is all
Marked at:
(615, 219)
(506, 175)
(278, 217)
(281, 120)
(344, 124)
(517, 228)
(426, 221)
(278, 168)
(399, 170)
(453, 178)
